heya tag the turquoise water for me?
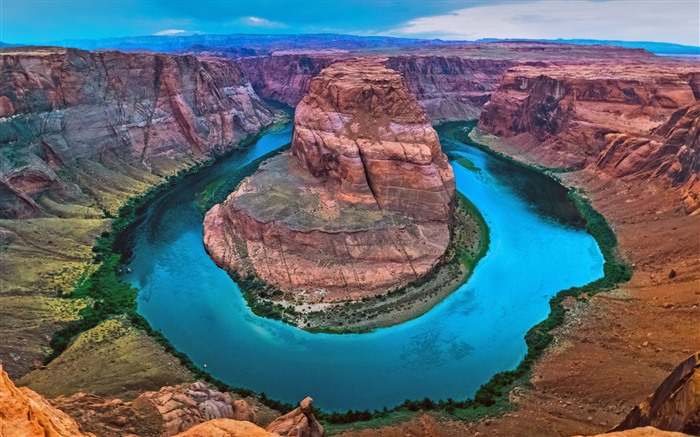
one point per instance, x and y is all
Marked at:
(449, 352)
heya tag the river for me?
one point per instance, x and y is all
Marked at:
(478, 331)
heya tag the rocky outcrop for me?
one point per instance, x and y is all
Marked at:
(675, 405)
(62, 107)
(360, 127)
(671, 152)
(25, 413)
(299, 422)
(646, 431)
(167, 412)
(627, 121)
(226, 428)
(359, 207)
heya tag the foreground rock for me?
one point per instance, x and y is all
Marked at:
(25, 413)
(298, 423)
(359, 207)
(675, 405)
(646, 431)
(169, 411)
(226, 428)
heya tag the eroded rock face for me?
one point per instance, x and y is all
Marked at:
(61, 107)
(360, 127)
(646, 431)
(23, 413)
(299, 422)
(226, 428)
(627, 121)
(169, 411)
(359, 207)
(675, 405)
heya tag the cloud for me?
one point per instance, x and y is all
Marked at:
(170, 32)
(260, 22)
(668, 21)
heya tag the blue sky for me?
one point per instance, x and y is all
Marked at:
(41, 21)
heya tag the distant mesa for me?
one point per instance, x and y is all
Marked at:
(358, 207)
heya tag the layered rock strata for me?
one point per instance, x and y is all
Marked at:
(112, 112)
(359, 206)
(184, 411)
(631, 121)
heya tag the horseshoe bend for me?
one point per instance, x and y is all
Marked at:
(359, 207)
(309, 235)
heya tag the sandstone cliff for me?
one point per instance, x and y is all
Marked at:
(360, 207)
(447, 87)
(112, 114)
(627, 121)
(675, 405)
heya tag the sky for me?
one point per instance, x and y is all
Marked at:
(42, 21)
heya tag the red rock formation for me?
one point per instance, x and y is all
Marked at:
(62, 106)
(628, 120)
(675, 405)
(226, 428)
(299, 422)
(285, 78)
(360, 127)
(23, 413)
(363, 206)
(450, 87)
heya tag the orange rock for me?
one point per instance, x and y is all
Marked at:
(299, 422)
(226, 428)
(23, 413)
(647, 431)
(360, 126)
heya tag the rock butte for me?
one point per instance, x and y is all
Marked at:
(361, 204)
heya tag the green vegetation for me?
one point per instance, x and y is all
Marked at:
(217, 192)
(464, 162)
(469, 242)
(491, 400)
(109, 297)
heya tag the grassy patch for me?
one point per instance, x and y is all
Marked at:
(464, 162)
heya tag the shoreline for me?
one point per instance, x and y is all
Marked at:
(398, 306)
(491, 399)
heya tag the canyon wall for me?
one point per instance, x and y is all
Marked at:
(451, 87)
(112, 113)
(626, 121)
(448, 87)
